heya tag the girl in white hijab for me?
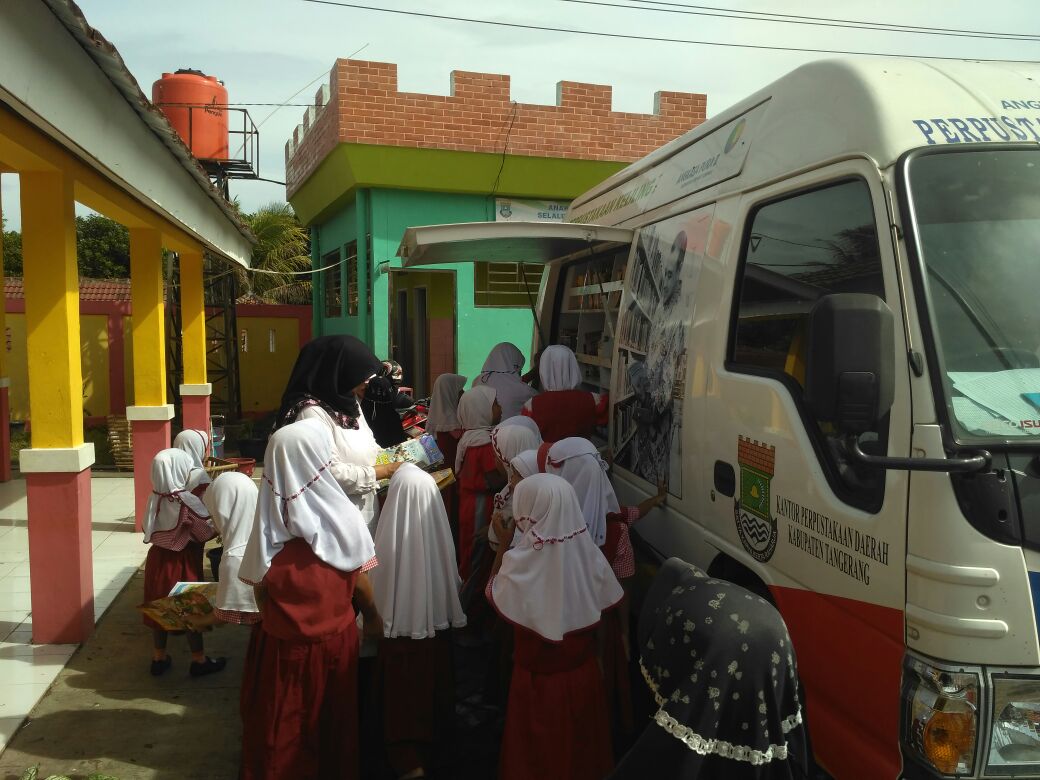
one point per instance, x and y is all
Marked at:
(444, 404)
(509, 439)
(476, 468)
(231, 501)
(553, 587)
(579, 462)
(176, 525)
(307, 555)
(562, 410)
(416, 590)
(196, 444)
(501, 372)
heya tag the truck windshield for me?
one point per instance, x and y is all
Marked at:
(977, 216)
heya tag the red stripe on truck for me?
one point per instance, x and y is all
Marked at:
(850, 656)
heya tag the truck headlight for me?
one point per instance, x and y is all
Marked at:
(1015, 741)
(941, 716)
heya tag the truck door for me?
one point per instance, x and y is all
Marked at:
(827, 538)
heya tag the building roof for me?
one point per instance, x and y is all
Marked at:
(108, 59)
(96, 290)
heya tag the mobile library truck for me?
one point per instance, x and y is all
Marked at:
(817, 318)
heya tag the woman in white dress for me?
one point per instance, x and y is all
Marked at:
(329, 377)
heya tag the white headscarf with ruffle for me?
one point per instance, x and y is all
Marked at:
(555, 580)
(300, 499)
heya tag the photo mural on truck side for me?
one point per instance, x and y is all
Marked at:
(657, 309)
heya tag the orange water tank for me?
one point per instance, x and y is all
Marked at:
(195, 104)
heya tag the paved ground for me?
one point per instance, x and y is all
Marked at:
(27, 670)
(106, 714)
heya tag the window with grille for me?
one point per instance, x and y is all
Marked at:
(333, 285)
(506, 284)
(351, 262)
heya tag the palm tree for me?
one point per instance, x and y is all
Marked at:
(282, 245)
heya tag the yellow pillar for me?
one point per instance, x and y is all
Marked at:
(3, 303)
(148, 317)
(52, 310)
(150, 415)
(5, 381)
(193, 318)
(195, 391)
(57, 466)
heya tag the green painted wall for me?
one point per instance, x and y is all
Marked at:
(477, 329)
(333, 234)
(361, 190)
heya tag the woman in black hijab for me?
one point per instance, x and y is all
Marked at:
(720, 666)
(330, 376)
(382, 402)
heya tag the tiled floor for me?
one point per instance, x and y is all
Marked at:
(27, 670)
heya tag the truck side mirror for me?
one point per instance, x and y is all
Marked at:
(850, 361)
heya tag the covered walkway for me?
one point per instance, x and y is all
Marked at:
(76, 128)
(27, 670)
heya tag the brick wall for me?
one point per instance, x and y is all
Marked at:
(361, 104)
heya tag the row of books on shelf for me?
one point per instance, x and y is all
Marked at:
(643, 284)
(624, 425)
(594, 302)
(635, 330)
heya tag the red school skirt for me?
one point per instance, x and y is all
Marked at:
(165, 568)
(556, 720)
(299, 707)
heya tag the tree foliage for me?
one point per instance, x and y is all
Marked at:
(282, 246)
(102, 248)
(12, 241)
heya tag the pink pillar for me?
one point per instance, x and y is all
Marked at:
(60, 566)
(151, 432)
(5, 431)
(195, 411)
(150, 436)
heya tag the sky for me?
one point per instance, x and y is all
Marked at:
(267, 50)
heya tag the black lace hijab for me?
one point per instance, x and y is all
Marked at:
(719, 663)
(326, 372)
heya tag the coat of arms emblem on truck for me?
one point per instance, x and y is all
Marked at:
(755, 526)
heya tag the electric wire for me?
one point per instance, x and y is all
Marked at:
(505, 148)
(894, 26)
(865, 26)
(650, 38)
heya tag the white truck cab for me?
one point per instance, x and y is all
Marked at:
(817, 318)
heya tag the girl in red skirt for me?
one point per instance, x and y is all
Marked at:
(177, 525)
(561, 409)
(553, 586)
(416, 591)
(476, 469)
(306, 557)
(579, 462)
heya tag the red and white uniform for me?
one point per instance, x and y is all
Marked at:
(553, 587)
(176, 525)
(307, 547)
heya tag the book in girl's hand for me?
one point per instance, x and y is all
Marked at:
(423, 452)
(189, 607)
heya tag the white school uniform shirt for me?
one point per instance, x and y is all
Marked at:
(353, 462)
